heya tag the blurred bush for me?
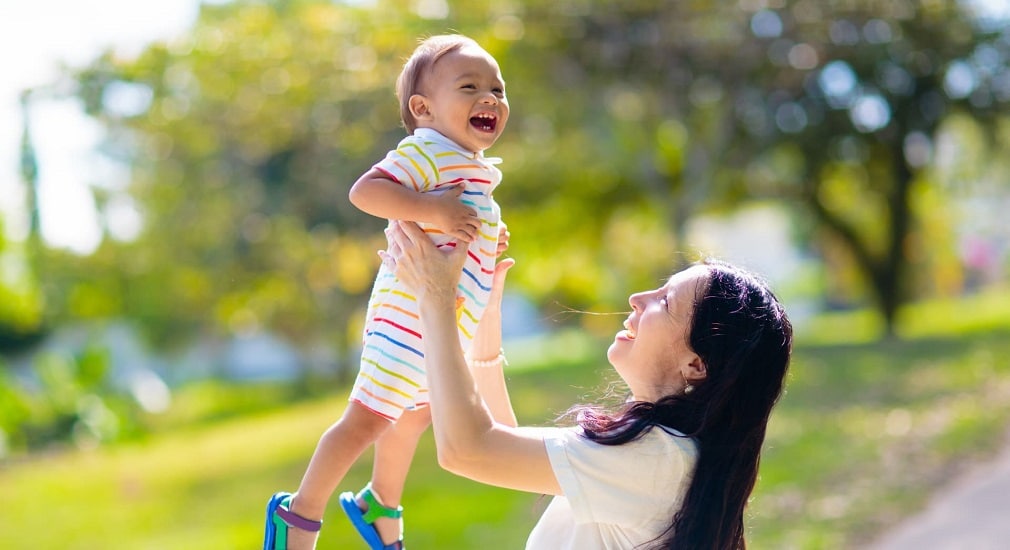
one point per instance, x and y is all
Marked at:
(64, 399)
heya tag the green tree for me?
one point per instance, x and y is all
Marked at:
(22, 322)
(832, 107)
(629, 118)
(243, 137)
(21, 315)
(250, 129)
(856, 95)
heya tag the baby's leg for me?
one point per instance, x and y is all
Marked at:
(336, 452)
(393, 453)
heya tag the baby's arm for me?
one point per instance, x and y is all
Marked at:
(374, 193)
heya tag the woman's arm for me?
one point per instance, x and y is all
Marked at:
(487, 344)
(486, 348)
(469, 440)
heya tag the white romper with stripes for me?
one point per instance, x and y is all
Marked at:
(391, 376)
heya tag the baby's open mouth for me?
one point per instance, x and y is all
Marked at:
(484, 122)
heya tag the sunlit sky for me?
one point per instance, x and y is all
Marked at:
(36, 36)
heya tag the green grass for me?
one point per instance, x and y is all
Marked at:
(863, 434)
(867, 429)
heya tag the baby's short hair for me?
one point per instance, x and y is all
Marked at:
(429, 51)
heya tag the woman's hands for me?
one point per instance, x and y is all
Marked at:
(498, 284)
(472, 418)
(503, 239)
(431, 273)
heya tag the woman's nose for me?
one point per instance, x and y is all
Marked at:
(633, 301)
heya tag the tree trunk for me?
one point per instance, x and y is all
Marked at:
(889, 282)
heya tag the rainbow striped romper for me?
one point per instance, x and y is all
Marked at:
(391, 376)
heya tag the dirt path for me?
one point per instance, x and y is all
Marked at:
(972, 513)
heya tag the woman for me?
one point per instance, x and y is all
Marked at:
(705, 358)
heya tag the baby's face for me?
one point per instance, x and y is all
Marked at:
(465, 97)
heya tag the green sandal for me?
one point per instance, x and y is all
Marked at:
(364, 521)
(280, 518)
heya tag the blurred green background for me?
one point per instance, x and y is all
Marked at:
(154, 391)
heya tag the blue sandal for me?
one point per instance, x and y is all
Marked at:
(280, 518)
(364, 521)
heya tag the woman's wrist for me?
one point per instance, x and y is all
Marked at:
(488, 363)
(438, 298)
(491, 314)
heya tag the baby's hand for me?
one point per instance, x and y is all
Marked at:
(453, 217)
(503, 239)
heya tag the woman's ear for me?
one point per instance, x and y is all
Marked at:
(695, 370)
(419, 107)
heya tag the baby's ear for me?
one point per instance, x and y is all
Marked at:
(419, 107)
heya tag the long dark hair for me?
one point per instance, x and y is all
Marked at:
(742, 334)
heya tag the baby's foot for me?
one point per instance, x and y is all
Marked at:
(299, 539)
(389, 529)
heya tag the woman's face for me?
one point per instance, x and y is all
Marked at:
(652, 354)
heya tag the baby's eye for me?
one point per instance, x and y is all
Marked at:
(468, 87)
(499, 91)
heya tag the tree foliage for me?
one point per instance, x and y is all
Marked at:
(21, 304)
(257, 122)
(832, 107)
(856, 93)
(244, 135)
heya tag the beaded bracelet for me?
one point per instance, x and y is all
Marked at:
(488, 363)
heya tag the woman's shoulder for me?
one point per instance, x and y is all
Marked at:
(633, 484)
(667, 437)
(657, 442)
